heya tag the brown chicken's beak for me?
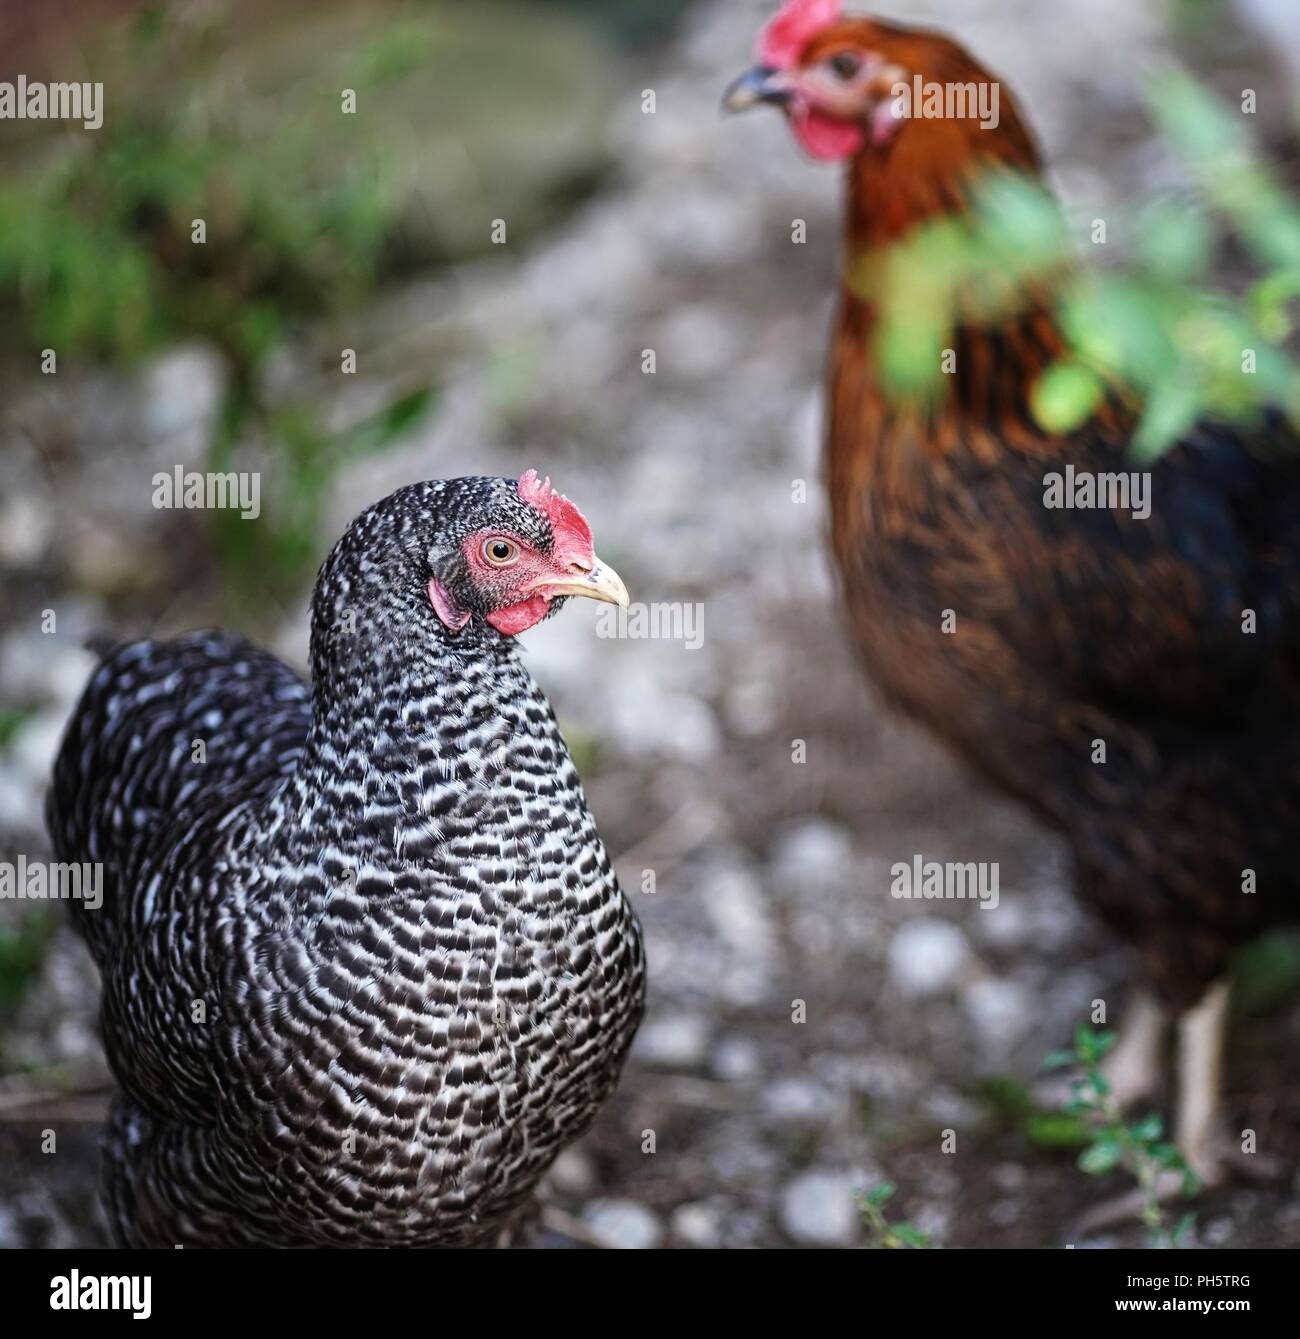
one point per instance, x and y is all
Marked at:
(761, 84)
(600, 583)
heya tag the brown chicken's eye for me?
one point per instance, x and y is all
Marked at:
(845, 64)
(499, 552)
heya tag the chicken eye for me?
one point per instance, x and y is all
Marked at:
(845, 65)
(499, 552)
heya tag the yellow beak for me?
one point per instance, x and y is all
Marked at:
(600, 583)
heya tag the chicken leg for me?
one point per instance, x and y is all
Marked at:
(1202, 1033)
(1201, 1135)
(1133, 1067)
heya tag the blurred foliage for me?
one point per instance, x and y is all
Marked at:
(1265, 975)
(96, 250)
(884, 1234)
(22, 955)
(11, 718)
(1137, 1147)
(231, 114)
(1014, 1103)
(1056, 1129)
(98, 257)
(267, 561)
(587, 749)
(1160, 331)
(1197, 18)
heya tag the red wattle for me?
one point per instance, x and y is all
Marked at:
(517, 618)
(826, 139)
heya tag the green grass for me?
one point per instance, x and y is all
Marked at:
(22, 955)
(11, 719)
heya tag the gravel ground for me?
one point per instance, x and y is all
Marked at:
(807, 1034)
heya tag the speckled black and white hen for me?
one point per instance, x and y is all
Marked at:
(366, 966)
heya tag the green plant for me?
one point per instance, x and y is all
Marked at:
(22, 955)
(182, 219)
(267, 560)
(886, 1235)
(1115, 1144)
(1161, 330)
(11, 719)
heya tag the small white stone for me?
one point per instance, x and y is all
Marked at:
(25, 528)
(573, 1173)
(1001, 1009)
(698, 1225)
(673, 1041)
(815, 849)
(181, 392)
(798, 1100)
(20, 804)
(948, 1108)
(926, 957)
(623, 1225)
(735, 1059)
(1008, 925)
(37, 742)
(1010, 1176)
(819, 1208)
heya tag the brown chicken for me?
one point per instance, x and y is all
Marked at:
(1130, 675)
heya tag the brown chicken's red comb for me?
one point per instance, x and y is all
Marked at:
(783, 40)
(568, 524)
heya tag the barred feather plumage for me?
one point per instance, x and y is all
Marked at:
(366, 968)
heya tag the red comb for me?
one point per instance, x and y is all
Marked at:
(568, 524)
(782, 42)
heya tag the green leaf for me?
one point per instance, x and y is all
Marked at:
(1101, 1158)
(11, 718)
(1065, 396)
(1174, 240)
(1092, 1045)
(910, 352)
(910, 1236)
(1053, 1129)
(1147, 1129)
(1211, 139)
(1021, 218)
(1268, 301)
(403, 415)
(1173, 407)
(880, 1195)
